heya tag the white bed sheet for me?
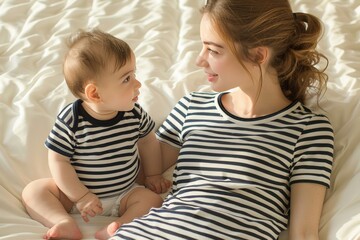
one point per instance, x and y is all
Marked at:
(165, 37)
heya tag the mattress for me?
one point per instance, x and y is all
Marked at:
(165, 38)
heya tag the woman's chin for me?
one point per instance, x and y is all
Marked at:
(217, 88)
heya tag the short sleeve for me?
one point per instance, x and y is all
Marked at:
(146, 122)
(313, 155)
(170, 131)
(61, 138)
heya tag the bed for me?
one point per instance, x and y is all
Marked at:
(165, 38)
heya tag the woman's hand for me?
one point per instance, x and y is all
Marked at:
(157, 183)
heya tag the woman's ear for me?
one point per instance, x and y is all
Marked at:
(91, 93)
(261, 54)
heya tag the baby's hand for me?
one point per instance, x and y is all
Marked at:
(157, 183)
(89, 205)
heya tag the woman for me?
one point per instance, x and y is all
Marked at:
(251, 159)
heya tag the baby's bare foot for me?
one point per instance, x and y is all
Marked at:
(108, 231)
(113, 227)
(64, 229)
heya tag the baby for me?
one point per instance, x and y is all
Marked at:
(95, 146)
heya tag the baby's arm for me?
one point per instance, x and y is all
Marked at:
(150, 154)
(68, 182)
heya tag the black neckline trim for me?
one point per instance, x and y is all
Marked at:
(255, 119)
(82, 112)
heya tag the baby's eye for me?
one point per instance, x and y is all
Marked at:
(127, 79)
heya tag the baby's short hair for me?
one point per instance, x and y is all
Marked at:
(89, 53)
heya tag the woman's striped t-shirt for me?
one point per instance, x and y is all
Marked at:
(233, 175)
(103, 153)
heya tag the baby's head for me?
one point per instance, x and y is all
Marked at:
(90, 53)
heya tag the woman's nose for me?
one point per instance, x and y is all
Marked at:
(200, 60)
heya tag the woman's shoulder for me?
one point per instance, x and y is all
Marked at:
(200, 96)
(203, 94)
(312, 116)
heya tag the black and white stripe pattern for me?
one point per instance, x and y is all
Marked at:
(233, 175)
(103, 153)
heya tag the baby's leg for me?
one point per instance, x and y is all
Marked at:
(46, 204)
(135, 204)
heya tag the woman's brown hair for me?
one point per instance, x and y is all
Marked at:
(293, 37)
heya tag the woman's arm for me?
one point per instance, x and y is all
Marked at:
(150, 154)
(169, 155)
(305, 210)
(151, 161)
(159, 156)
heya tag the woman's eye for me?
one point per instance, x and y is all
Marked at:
(212, 51)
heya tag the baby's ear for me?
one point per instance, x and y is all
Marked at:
(91, 93)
